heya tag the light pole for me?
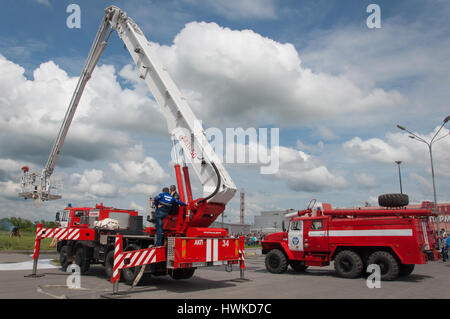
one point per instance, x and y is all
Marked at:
(399, 176)
(430, 144)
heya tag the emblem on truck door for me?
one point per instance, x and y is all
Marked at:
(295, 240)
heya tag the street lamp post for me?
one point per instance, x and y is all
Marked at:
(399, 176)
(430, 144)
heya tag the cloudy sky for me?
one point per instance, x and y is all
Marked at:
(335, 88)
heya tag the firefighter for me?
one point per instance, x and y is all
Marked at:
(163, 203)
(173, 192)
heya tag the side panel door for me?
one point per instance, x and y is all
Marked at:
(318, 235)
(295, 235)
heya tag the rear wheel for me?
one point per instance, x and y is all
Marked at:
(276, 261)
(81, 260)
(348, 264)
(389, 266)
(129, 274)
(109, 264)
(182, 273)
(64, 259)
(298, 266)
(406, 270)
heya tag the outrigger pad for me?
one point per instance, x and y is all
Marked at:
(117, 295)
(34, 275)
(240, 280)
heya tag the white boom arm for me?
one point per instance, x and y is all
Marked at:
(181, 121)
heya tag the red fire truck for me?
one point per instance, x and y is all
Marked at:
(80, 240)
(190, 243)
(394, 238)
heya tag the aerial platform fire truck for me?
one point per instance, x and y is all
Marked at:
(124, 245)
(394, 238)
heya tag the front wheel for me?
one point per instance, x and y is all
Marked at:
(64, 258)
(81, 260)
(276, 261)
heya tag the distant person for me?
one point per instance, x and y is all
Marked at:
(163, 203)
(15, 232)
(445, 245)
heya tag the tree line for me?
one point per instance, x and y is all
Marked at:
(24, 224)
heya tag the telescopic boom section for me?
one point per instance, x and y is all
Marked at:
(183, 125)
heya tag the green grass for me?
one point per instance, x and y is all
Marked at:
(24, 243)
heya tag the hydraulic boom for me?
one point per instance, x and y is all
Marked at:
(183, 125)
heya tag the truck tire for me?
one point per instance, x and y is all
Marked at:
(393, 200)
(388, 264)
(81, 260)
(406, 270)
(298, 266)
(109, 264)
(276, 262)
(64, 258)
(129, 274)
(184, 273)
(348, 264)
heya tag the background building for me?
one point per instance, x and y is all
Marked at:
(270, 221)
(233, 228)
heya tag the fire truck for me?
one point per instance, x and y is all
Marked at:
(394, 238)
(128, 247)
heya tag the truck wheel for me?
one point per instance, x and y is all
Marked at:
(348, 264)
(393, 200)
(64, 259)
(388, 264)
(109, 264)
(298, 266)
(184, 273)
(129, 274)
(406, 270)
(276, 261)
(81, 260)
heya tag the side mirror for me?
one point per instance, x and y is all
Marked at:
(283, 225)
(57, 217)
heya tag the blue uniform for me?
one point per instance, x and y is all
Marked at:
(163, 203)
(445, 246)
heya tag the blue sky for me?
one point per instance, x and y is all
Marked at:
(335, 88)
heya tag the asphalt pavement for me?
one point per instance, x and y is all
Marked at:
(427, 282)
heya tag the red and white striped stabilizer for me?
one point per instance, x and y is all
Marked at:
(133, 258)
(37, 242)
(58, 233)
(242, 252)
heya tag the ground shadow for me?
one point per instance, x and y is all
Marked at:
(166, 283)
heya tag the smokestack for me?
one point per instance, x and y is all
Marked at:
(242, 216)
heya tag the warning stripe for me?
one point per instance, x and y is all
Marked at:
(212, 249)
(58, 233)
(183, 249)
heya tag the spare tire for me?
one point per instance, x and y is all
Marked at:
(393, 200)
